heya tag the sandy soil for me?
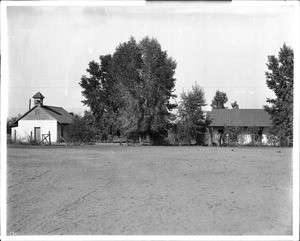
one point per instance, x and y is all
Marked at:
(149, 190)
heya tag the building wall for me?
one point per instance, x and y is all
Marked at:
(62, 129)
(25, 129)
(264, 138)
(244, 138)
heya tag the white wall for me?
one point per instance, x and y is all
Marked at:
(264, 138)
(244, 137)
(25, 127)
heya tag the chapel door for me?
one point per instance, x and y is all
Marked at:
(37, 134)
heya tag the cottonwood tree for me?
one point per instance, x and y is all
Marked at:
(145, 75)
(101, 95)
(133, 89)
(219, 100)
(280, 79)
(193, 123)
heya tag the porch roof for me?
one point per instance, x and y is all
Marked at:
(240, 117)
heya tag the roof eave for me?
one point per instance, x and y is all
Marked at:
(16, 121)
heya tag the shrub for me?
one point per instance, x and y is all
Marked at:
(255, 137)
(80, 130)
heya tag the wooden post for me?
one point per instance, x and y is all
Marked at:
(49, 138)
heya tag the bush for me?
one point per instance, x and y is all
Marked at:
(232, 135)
(255, 137)
(80, 130)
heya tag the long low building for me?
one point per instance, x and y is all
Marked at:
(242, 118)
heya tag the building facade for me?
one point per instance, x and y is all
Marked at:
(42, 123)
(244, 120)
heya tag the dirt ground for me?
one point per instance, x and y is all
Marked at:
(149, 190)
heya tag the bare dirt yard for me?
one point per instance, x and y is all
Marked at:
(149, 190)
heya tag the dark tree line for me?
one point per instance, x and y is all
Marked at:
(130, 95)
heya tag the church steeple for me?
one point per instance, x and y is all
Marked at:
(38, 99)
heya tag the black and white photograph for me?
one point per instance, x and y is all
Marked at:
(150, 118)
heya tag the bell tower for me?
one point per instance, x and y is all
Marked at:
(38, 99)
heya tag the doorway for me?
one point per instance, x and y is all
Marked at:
(37, 134)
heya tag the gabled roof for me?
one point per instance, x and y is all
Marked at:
(26, 113)
(239, 117)
(58, 113)
(38, 95)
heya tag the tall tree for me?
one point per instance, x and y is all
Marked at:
(101, 94)
(234, 105)
(126, 67)
(280, 79)
(145, 75)
(132, 89)
(219, 100)
(193, 122)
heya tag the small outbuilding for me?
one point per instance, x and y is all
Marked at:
(42, 123)
(244, 119)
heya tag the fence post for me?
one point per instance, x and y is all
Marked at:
(49, 138)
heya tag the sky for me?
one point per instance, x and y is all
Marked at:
(221, 46)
